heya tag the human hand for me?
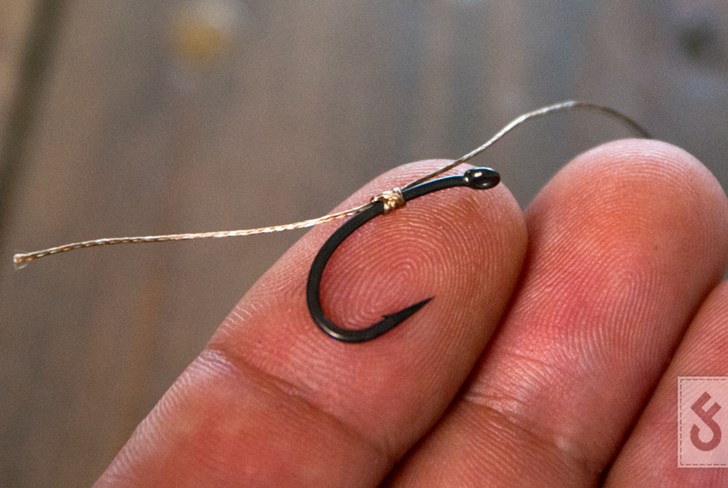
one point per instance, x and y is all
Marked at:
(548, 357)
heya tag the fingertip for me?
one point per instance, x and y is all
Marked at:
(657, 163)
(648, 196)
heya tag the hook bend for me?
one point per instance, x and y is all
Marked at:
(476, 178)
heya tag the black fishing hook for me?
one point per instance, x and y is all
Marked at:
(476, 178)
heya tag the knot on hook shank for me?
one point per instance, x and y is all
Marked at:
(392, 199)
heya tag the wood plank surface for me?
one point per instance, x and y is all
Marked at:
(219, 114)
(15, 22)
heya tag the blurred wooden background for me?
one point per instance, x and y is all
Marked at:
(145, 116)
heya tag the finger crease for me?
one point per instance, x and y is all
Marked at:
(271, 384)
(567, 452)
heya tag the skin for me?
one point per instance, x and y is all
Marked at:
(549, 356)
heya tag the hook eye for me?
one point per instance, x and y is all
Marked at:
(481, 178)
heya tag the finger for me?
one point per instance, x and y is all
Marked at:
(650, 457)
(624, 243)
(272, 401)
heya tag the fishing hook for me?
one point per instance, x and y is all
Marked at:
(476, 178)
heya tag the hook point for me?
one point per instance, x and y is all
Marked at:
(405, 313)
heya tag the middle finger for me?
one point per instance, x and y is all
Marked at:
(624, 243)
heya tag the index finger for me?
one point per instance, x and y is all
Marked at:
(272, 401)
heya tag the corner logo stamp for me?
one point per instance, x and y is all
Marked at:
(702, 419)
